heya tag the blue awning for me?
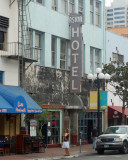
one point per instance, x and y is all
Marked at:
(13, 99)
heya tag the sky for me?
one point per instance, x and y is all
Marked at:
(108, 2)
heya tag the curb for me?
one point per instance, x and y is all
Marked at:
(63, 157)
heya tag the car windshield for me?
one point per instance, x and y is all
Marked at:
(116, 130)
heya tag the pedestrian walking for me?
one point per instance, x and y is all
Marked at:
(65, 139)
(94, 135)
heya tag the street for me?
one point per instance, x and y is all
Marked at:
(108, 155)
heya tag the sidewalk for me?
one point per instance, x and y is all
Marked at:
(52, 153)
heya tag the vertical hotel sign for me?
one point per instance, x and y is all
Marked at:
(76, 21)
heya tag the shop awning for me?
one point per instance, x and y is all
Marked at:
(116, 112)
(13, 99)
(75, 102)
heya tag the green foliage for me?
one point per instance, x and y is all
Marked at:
(40, 118)
(119, 78)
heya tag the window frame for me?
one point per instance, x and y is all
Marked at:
(71, 6)
(53, 137)
(38, 49)
(42, 2)
(91, 59)
(54, 5)
(63, 54)
(3, 46)
(53, 52)
(97, 61)
(92, 12)
(80, 7)
(1, 77)
(66, 7)
(98, 14)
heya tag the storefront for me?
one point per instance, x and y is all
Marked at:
(86, 121)
(115, 115)
(54, 125)
(14, 101)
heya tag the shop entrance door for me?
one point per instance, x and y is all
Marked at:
(12, 126)
(90, 127)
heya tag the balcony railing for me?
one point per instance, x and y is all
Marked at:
(16, 49)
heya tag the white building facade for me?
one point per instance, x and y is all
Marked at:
(116, 14)
(116, 50)
(8, 39)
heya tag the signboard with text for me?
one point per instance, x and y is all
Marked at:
(76, 21)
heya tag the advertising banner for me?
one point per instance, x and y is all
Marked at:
(103, 100)
(93, 100)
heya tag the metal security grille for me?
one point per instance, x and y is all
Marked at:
(107, 139)
(4, 22)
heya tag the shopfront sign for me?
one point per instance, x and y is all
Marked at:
(76, 70)
(20, 105)
(115, 114)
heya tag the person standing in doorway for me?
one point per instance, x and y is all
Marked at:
(94, 135)
(65, 139)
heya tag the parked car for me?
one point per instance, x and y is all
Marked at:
(114, 138)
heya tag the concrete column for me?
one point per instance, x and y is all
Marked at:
(74, 122)
(22, 120)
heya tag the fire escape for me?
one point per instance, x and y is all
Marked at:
(22, 50)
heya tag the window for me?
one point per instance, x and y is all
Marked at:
(110, 10)
(54, 5)
(40, 1)
(3, 40)
(84, 121)
(64, 6)
(97, 58)
(80, 6)
(119, 21)
(38, 47)
(53, 132)
(109, 14)
(53, 51)
(109, 19)
(98, 13)
(109, 23)
(94, 59)
(63, 56)
(116, 13)
(121, 8)
(117, 57)
(91, 60)
(120, 17)
(91, 12)
(71, 6)
(1, 77)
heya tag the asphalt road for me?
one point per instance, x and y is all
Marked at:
(108, 155)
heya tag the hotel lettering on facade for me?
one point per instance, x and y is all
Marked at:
(76, 52)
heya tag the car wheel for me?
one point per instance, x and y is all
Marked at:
(100, 151)
(125, 148)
